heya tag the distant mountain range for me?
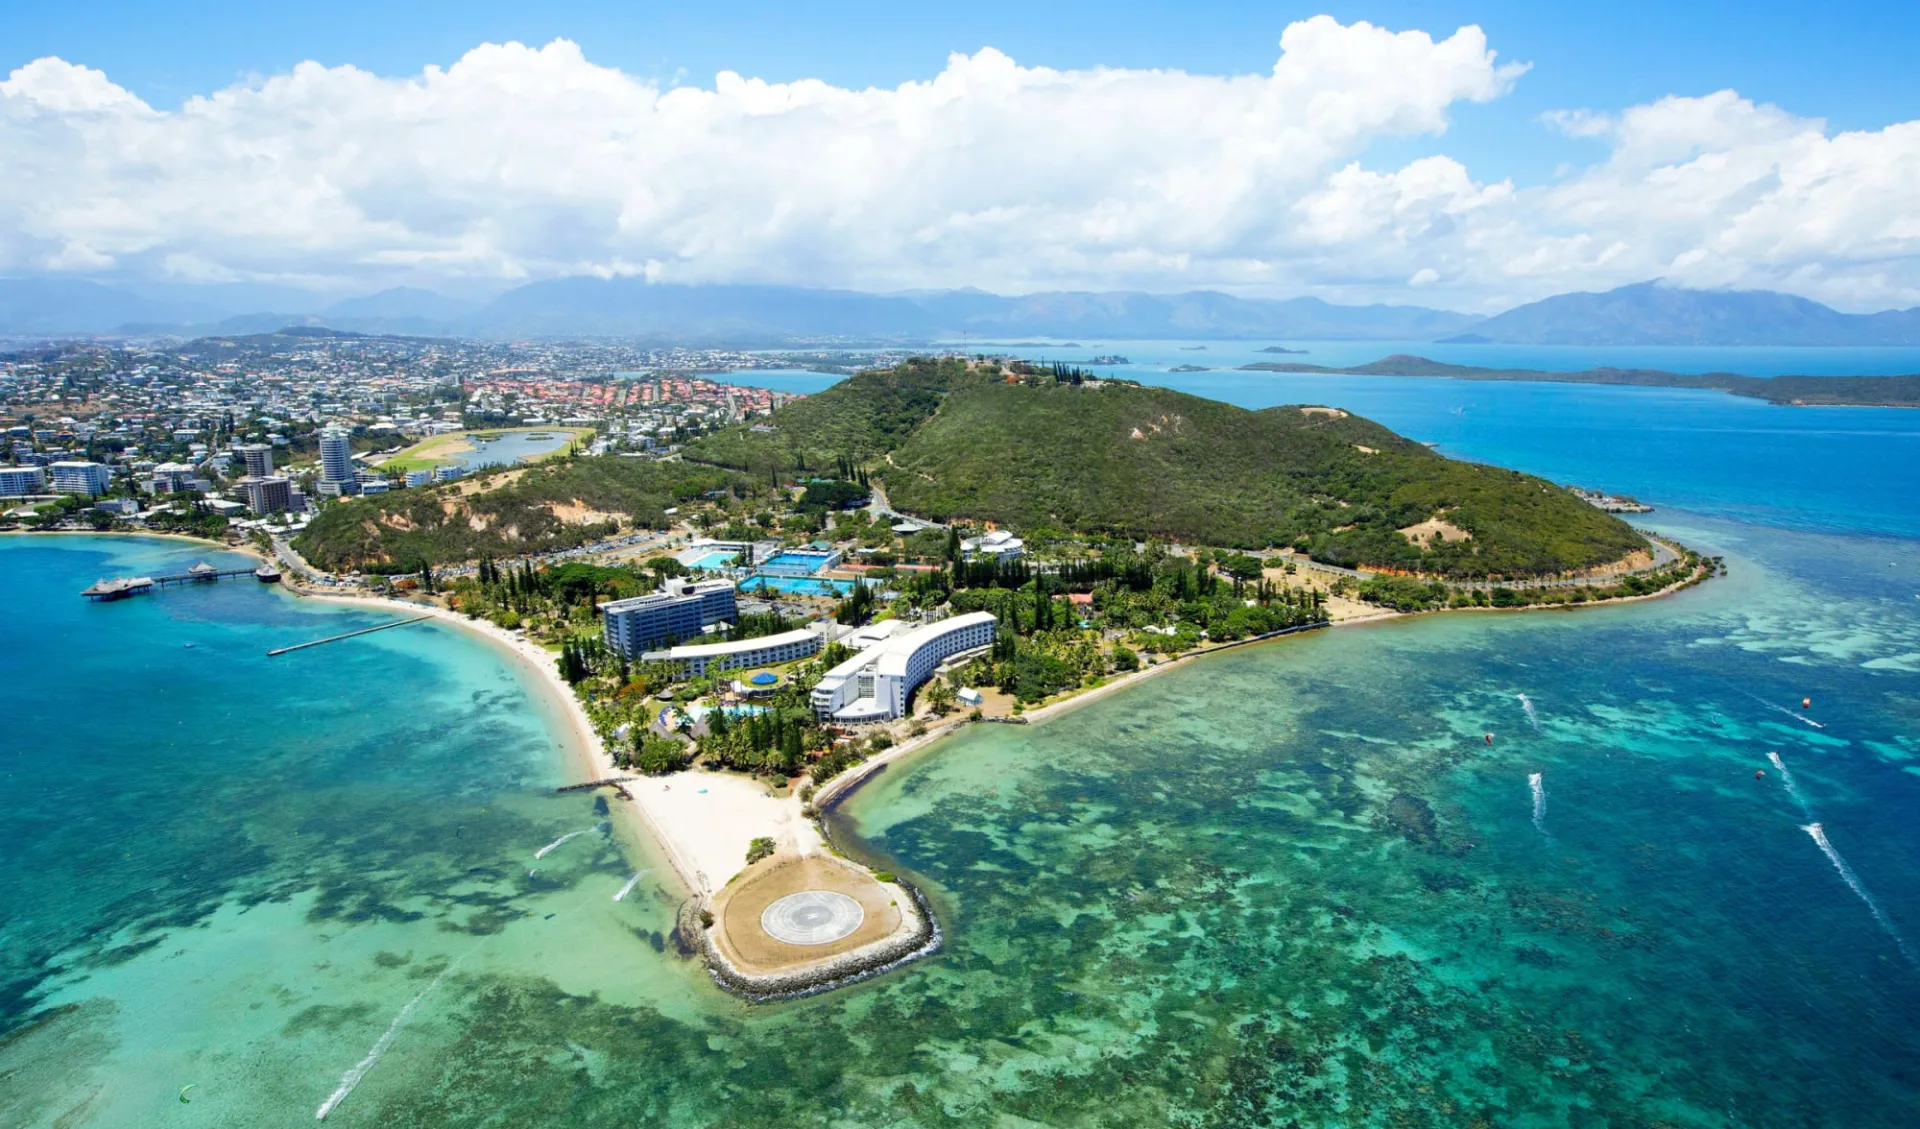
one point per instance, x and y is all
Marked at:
(1648, 313)
(1641, 314)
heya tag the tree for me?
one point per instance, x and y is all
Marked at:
(758, 849)
(940, 696)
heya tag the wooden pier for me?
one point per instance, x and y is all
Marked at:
(123, 587)
(347, 635)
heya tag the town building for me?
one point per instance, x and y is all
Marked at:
(696, 660)
(259, 458)
(73, 477)
(418, 478)
(269, 494)
(681, 609)
(173, 478)
(19, 480)
(877, 683)
(998, 545)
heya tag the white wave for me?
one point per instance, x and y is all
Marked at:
(1533, 718)
(1539, 802)
(1786, 777)
(1853, 880)
(628, 888)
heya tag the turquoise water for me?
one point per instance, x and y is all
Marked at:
(797, 585)
(795, 563)
(713, 560)
(1292, 884)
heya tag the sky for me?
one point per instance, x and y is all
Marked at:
(1467, 155)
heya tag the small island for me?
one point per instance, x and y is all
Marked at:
(1793, 391)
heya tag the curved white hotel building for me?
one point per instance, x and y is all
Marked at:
(766, 650)
(875, 684)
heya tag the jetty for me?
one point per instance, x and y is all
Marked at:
(346, 635)
(122, 587)
(607, 782)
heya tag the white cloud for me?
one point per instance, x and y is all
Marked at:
(519, 163)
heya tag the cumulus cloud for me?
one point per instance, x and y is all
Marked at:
(519, 162)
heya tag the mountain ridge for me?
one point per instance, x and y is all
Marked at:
(1645, 313)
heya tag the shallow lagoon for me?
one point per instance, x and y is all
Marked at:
(1293, 882)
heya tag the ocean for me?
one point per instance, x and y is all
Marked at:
(1291, 884)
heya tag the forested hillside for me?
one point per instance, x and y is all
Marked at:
(1039, 454)
(553, 505)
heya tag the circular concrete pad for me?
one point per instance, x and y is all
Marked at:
(812, 917)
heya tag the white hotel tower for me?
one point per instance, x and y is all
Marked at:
(875, 684)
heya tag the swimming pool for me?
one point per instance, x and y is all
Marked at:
(796, 585)
(799, 562)
(714, 560)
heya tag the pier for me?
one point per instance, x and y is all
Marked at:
(123, 587)
(347, 635)
(608, 782)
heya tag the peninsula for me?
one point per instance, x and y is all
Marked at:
(745, 624)
(1798, 391)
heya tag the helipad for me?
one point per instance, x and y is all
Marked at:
(812, 917)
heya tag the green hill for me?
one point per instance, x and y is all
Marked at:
(860, 418)
(553, 505)
(1131, 461)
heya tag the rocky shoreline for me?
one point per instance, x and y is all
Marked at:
(921, 938)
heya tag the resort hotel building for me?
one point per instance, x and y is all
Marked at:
(875, 684)
(699, 659)
(681, 609)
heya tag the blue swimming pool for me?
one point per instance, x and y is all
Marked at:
(714, 560)
(799, 562)
(797, 585)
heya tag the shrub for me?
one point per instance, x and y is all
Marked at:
(758, 849)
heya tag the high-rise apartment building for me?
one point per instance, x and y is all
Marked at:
(259, 457)
(336, 457)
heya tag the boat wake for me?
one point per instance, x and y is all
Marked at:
(1799, 717)
(628, 888)
(1853, 881)
(544, 851)
(1539, 802)
(1778, 708)
(1786, 777)
(352, 1077)
(1533, 718)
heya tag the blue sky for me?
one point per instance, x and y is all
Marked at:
(1439, 175)
(1848, 61)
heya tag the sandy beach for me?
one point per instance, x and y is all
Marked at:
(702, 821)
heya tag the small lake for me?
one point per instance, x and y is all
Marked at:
(511, 447)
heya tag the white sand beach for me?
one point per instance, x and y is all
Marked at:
(702, 821)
